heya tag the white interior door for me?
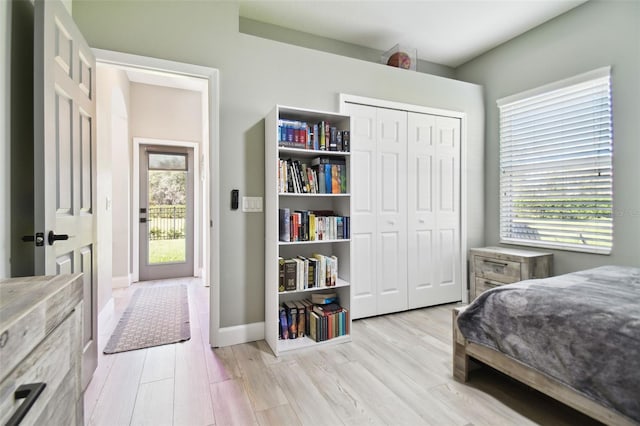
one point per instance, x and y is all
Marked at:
(421, 171)
(363, 211)
(448, 283)
(64, 152)
(391, 180)
(434, 210)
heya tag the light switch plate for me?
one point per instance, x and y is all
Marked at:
(252, 204)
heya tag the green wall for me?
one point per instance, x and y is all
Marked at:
(256, 74)
(593, 35)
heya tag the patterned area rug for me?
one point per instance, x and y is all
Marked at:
(155, 316)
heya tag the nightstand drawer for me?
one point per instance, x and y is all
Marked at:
(52, 362)
(483, 284)
(503, 271)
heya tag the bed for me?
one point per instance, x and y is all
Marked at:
(574, 337)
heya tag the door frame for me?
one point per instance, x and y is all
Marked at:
(344, 98)
(210, 161)
(135, 213)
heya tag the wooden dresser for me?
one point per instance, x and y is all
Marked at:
(494, 266)
(41, 343)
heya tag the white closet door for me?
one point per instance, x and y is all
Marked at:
(391, 181)
(434, 210)
(421, 173)
(448, 281)
(363, 210)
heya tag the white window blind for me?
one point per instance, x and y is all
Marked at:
(556, 172)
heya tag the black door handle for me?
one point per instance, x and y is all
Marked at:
(56, 237)
(29, 393)
(38, 238)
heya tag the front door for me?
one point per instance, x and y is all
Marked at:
(166, 212)
(64, 160)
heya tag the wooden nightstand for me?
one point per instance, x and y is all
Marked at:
(494, 266)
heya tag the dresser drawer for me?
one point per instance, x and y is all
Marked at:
(55, 362)
(483, 284)
(503, 271)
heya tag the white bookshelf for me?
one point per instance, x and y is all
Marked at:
(274, 200)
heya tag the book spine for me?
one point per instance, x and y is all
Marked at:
(322, 180)
(334, 270)
(292, 318)
(284, 227)
(327, 177)
(335, 183)
(311, 276)
(280, 274)
(333, 139)
(284, 325)
(321, 139)
(290, 274)
(346, 140)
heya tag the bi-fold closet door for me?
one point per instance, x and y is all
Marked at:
(405, 222)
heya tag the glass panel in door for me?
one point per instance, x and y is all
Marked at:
(167, 201)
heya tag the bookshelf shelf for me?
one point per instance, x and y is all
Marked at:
(306, 343)
(299, 243)
(295, 194)
(281, 163)
(310, 153)
(339, 283)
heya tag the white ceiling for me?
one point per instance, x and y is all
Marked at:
(446, 32)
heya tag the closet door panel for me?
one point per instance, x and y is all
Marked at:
(421, 174)
(448, 286)
(392, 210)
(363, 282)
(364, 211)
(392, 290)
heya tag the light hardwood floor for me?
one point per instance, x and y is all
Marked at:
(396, 371)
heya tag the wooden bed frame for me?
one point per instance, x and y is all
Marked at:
(464, 350)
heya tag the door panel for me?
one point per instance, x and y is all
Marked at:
(423, 270)
(363, 197)
(64, 156)
(363, 222)
(449, 284)
(86, 166)
(363, 282)
(434, 276)
(447, 256)
(391, 212)
(447, 180)
(64, 264)
(64, 153)
(390, 183)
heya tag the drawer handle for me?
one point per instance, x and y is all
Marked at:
(492, 262)
(29, 393)
(490, 284)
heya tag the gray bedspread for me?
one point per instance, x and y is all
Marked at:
(582, 329)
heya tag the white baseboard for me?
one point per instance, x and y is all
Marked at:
(238, 334)
(105, 315)
(121, 282)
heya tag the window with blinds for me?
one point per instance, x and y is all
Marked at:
(556, 145)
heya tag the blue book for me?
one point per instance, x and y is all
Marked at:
(327, 178)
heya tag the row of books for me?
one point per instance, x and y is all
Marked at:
(299, 273)
(319, 322)
(325, 175)
(312, 225)
(321, 136)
